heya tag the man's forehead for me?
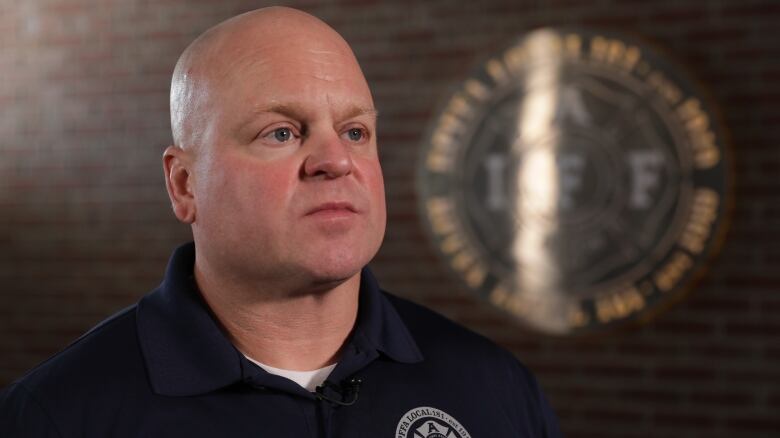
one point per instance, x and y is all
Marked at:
(294, 108)
(285, 65)
(294, 81)
(272, 30)
(273, 60)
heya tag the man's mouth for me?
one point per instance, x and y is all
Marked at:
(336, 208)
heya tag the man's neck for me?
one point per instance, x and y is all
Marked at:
(296, 331)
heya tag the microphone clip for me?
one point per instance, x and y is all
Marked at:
(346, 393)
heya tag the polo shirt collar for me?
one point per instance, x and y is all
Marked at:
(186, 352)
(184, 349)
(379, 326)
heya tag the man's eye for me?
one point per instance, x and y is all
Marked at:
(355, 134)
(282, 135)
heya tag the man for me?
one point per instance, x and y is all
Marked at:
(268, 325)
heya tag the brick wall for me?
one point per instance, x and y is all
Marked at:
(85, 225)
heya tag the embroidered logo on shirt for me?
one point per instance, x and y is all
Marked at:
(427, 422)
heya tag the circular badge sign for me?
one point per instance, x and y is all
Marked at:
(576, 180)
(428, 422)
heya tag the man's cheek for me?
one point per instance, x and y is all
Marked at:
(267, 191)
(377, 184)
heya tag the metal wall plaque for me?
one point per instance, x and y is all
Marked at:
(576, 180)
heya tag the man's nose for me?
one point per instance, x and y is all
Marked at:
(328, 157)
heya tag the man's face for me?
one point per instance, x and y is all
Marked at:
(287, 182)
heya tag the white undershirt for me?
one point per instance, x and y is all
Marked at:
(309, 380)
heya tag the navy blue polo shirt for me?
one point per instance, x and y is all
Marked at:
(164, 368)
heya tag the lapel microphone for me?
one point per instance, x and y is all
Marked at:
(346, 393)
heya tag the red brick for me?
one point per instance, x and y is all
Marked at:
(758, 423)
(722, 398)
(647, 349)
(698, 421)
(686, 373)
(746, 11)
(753, 376)
(684, 327)
(764, 328)
(612, 371)
(614, 415)
(651, 396)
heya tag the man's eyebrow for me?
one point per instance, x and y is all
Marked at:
(295, 111)
(298, 111)
(361, 111)
(292, 111)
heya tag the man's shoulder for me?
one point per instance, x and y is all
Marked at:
(110, 344)
(439, 336)
(91, 362)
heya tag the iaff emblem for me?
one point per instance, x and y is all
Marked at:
(427, 422)
(576, 180)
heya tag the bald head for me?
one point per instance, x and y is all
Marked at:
(267, 40)
(275, 163)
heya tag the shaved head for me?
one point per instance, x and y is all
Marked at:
(273, 122)
(255, 37)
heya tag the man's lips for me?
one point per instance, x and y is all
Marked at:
(334, 208)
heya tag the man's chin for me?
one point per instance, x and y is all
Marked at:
(333, 267)
(323, 282)
(330, 278)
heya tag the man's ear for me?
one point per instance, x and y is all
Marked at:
(176, 164)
